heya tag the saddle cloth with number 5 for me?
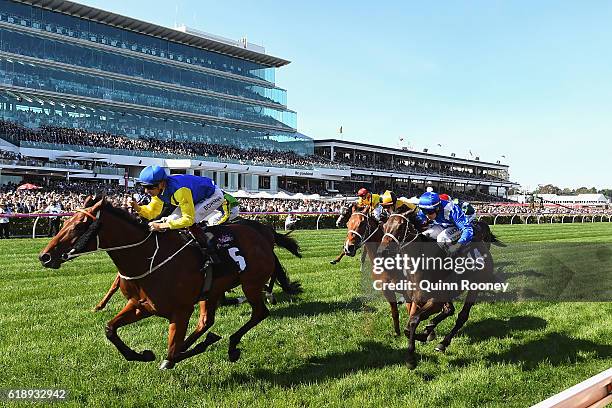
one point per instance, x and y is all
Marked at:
(225, 244)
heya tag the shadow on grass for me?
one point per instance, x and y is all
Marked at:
(554, 349)
(301, 309)
(369, 355)
(500, 328)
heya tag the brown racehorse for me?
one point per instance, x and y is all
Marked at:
(280, 276)
(364, 229)
(161, 275)
(402, 236)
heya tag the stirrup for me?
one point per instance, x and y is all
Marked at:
(207, 270)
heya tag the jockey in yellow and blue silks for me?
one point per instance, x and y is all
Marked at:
(451, 227)
(195, 197)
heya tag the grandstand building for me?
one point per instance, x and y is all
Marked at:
(411, 172)
(66, 65)
(90, 94)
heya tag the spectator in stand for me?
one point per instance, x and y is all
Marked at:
(4, 221)
(291, 222)
(54, 222)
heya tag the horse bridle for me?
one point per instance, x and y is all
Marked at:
(402, 243)
(71, 254)
(362, 240)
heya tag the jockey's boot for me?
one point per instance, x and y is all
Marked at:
(205, 240)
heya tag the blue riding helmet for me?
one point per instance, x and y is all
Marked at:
(429, 201)
(152, 175)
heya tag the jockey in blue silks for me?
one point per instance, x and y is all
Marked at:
(450, 227)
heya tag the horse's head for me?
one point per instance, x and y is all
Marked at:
(398, 230)
(360, 225)
(345, 214)
(74, 237)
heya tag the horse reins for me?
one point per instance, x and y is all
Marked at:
(394, 238)
(363, 241)
(71, 255)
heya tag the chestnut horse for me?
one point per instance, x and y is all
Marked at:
(161, 275)
(401, 235)
(280, 275)
(364, 229)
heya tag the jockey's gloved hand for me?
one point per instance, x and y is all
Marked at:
(158, 226)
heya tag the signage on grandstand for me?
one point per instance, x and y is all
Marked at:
(304, 173)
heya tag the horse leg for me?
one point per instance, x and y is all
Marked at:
(338, 258)
(268, 292)
(463, 316)
(390, 296)
(259, 312)
(102, 304)
(208, 309)
(129, 314)
(447, 310)
(416, 315)
(413, 322)
(176, 337)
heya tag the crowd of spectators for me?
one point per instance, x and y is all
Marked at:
(523, 209)
(187, 149)
(64, 197)
(213, 151)
(366, 162)
(69, 196)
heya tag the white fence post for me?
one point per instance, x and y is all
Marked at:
(34, 227)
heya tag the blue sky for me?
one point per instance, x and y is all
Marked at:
(528, 80)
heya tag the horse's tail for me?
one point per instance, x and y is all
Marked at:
(488, 235)
(281, 240)
(280, 275)
(287, 242)
(497, 242)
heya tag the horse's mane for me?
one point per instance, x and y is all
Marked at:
(119, 212)
(125, 216)
(93, 229)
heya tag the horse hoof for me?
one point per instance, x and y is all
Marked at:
(166, 365)
(411, 362)
(234, 355)
(147, 355)
(270, 298)
(333, 262)
(441, 348)
(212, 338)
(431, 336)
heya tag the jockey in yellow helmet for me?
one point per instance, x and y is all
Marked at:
(395, 205)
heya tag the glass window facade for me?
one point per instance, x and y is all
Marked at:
(51, 21)
(27, 75)
(80, 56)
(33, 111)
(202, 96)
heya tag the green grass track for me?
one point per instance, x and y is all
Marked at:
(329, 347)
